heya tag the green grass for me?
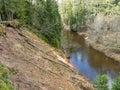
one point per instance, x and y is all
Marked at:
(5, 82)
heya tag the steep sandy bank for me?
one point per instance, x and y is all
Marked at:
(34, 65)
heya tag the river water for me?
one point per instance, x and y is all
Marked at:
(87, 61)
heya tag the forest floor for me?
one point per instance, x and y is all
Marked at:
(35, 65)
(107, 43)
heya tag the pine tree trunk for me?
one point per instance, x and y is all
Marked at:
(0, 19)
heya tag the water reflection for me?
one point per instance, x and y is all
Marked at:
(90, 62)
(80, 60)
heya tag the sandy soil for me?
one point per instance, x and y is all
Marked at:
(34, 65)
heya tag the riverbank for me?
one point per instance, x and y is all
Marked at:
(113, 53)
(35, 65)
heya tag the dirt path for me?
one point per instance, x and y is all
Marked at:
(34, 65)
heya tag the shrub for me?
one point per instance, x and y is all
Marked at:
(5, 82)
(116, 84)
(13, 23)
(101, 82)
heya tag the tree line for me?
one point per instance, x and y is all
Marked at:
(79, 13)
(41, 15)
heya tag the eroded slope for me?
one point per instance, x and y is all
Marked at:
(34, 65)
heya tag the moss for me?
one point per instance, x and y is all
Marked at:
(13, 23)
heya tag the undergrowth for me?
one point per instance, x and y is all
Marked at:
(5, 82)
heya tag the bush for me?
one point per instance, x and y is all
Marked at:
(116, 84)
(5, 82)
(101, 82)
(13, 23)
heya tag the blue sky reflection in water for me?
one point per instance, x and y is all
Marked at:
(88, 61)
(80, 60)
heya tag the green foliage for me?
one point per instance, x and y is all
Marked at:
(42, 15)
(15, 9)
(101, 82)
(73, 14)
(5, 83)
(1, 28)
(116, 84)
(13, 23)
(78, 14)
(49, 21)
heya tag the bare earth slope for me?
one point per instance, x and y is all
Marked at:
(34, 65)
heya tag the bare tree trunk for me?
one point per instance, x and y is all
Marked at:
(0, 19)
(11, 16)
(5, 11)
(8, 15)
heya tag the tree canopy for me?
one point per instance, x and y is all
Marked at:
(79, 12)
(41, 15)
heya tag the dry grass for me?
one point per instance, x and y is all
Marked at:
(38, 66)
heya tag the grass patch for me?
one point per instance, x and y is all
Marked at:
(5, 82)
(36, 32)
(1, 29)
(56, 66)
(13, 23)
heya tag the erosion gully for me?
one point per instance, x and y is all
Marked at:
(86, 60)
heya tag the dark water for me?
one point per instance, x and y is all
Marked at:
(86, 60)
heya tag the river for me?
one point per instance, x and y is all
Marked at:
(87, 61)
